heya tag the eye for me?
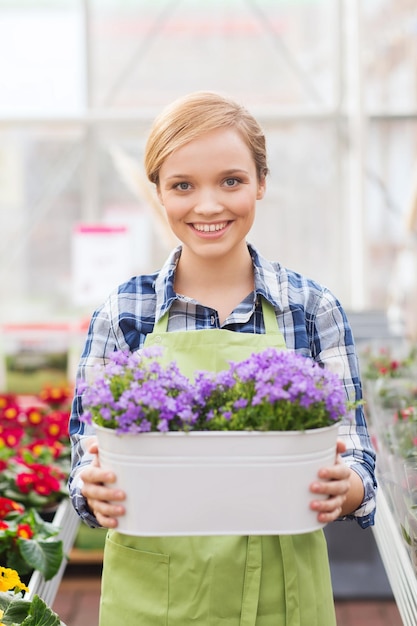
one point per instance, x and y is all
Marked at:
(182, 186)
(231, 182)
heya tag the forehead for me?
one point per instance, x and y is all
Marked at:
(217, 147)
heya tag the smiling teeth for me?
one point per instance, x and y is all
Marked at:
(210, 228)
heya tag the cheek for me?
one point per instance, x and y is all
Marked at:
(174, 208)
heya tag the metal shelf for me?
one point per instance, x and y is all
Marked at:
(68, 521)
(396, 560)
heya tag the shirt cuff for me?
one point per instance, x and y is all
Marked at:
(79, 502)
(365, 513)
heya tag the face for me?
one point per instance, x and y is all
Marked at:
(209, 188)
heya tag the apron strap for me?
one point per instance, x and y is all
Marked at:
(252, 582)
(161, 326)
(268, 312)
(292, 591)
(270, 319)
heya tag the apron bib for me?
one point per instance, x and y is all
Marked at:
(219, 580)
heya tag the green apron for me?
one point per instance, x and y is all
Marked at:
(216, 580)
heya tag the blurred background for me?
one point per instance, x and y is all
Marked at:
(333, 83)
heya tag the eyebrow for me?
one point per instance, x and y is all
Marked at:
(235, 170)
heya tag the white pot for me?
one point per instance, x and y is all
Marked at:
(217, 483)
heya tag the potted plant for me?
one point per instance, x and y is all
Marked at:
(34, 449)
(389, 382)
(16, 610)
(27, 542)
(391, 404)
(218, 454)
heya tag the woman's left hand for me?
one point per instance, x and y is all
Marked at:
(336, 483)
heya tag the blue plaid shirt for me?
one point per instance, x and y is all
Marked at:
(310, 318)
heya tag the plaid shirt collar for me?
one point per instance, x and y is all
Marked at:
(265, 273)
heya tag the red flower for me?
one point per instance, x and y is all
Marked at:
(404, 414)
(7, 506)
(25, 482)
(56, 425)
(55, 395)
(11, 437)
(34, 416)
(11, 413)
(40, 445)
(7, 401)
(47, 485)
(24, 531)
(56, 446)
(3, 525)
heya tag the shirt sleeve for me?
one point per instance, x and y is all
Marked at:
(100, 342)
(333, 346)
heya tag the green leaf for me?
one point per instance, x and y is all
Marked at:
(44, 556)
(406, 535)
(41, 614)
(15, 561)
(15, 609)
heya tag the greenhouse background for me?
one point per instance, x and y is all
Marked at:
(334, 85)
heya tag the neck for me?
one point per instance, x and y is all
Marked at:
(217, 273)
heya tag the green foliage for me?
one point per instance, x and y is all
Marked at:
(42, 551)
(18, 611)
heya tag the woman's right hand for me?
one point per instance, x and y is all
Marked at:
(103, 501)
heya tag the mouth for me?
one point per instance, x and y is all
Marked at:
(210, 228)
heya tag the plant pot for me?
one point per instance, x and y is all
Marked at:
(217, 483)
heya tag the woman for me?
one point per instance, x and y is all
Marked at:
(206, 156)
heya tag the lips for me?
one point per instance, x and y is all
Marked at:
(210, 228)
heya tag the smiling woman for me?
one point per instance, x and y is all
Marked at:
(217, 295)
(212, 211)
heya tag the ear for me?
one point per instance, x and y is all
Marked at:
(261, 188)
(158, 193)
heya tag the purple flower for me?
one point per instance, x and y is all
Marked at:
(271, 390)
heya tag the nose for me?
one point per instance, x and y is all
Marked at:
(208, 202)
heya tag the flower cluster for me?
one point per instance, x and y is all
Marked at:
(27, 542)
(400, 437)
(271, 390)
(14, 609)
(381, 362)
(391, 404)
(34, 449)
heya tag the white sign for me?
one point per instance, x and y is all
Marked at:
(100, 261)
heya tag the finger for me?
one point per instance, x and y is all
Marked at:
(93, 448)
(97, 491)
(106, 513)
(336, 487)
(340, 446)
(94, 474)
(337, 471)
(328, 510)
(91, 444)
(326, 517)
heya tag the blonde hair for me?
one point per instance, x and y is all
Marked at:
(193, 115)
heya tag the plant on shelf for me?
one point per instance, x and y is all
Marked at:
(27, 542)
(34, 448)
(383, 363)
(271, 390)
(16, 610)
(389, 383)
